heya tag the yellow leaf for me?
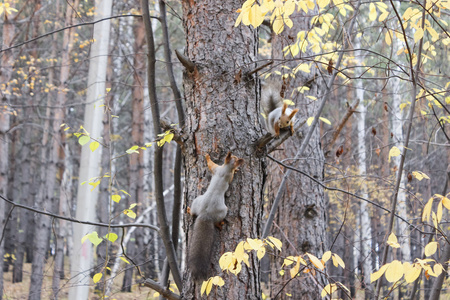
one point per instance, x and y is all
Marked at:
(94, 145)
(255, 244)
(383, 16)
(112, 237)
(439, 212)
(261, 252)
(125, 260)
(323, 3)
(412, 272)
(434, 219)
(335, 262)
(276, 242)
(255, 15)
(239, 252)
(278, 25)
(374, 276)
(326, 256)
(328, 289)
(309, 121)
(225, 260)
(325, 120)
(372, 12)
(116, 198)
(83, 140)
(217, 280)
(433, 33)
(418, 34)
(420, 175)
(289, 7)
(427, 210)
(388, 38)
(446, 202)
(339, 260)
(393, 152)
(97, 277)
(288, 102)
(392, 241)
(209, 285)
(315, 261)
(394, 272)
(438, 269)
(204, 284)
(289, 260)
(294, 271)
(431, 248)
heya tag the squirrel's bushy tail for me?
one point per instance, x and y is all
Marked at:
(200, 248)
(270, 97)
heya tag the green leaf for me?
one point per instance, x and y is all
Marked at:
(133, 150)
(94, 145)
(112, 237)
(93, 238)
(83, 140)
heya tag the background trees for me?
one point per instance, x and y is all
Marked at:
(329, 56)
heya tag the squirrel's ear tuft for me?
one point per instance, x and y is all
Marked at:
(211, 165)
(283, 110)
(228, 158)
(293, 113)
(238, 163)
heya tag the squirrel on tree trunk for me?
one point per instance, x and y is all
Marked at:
(209, 210)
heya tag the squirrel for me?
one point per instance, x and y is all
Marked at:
(277, 113)
(209, 210)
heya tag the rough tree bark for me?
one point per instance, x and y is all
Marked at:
(222, 115)
(302, 213)
(7, 61)
(136, 185)
(65, 187)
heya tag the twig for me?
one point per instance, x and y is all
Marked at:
(336, 189)
(65, 28)
(178, 164)
(158, 158)
(76, 220)
(163, 291)
(338, 130)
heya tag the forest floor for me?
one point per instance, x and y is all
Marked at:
(19, 291)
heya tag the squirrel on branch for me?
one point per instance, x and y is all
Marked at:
(209, 210)
(276, 112)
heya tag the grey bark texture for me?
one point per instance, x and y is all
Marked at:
(222, 115)
(301, 215)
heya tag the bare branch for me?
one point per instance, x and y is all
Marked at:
(65, 28)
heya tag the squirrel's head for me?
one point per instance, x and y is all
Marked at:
(229, 167)
(285, 118)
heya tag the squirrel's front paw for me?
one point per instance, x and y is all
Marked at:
(219, 225)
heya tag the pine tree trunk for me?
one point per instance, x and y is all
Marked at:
(302, 211)
(7, 62)
(223, 115)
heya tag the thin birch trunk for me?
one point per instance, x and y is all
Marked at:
(82, 254)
